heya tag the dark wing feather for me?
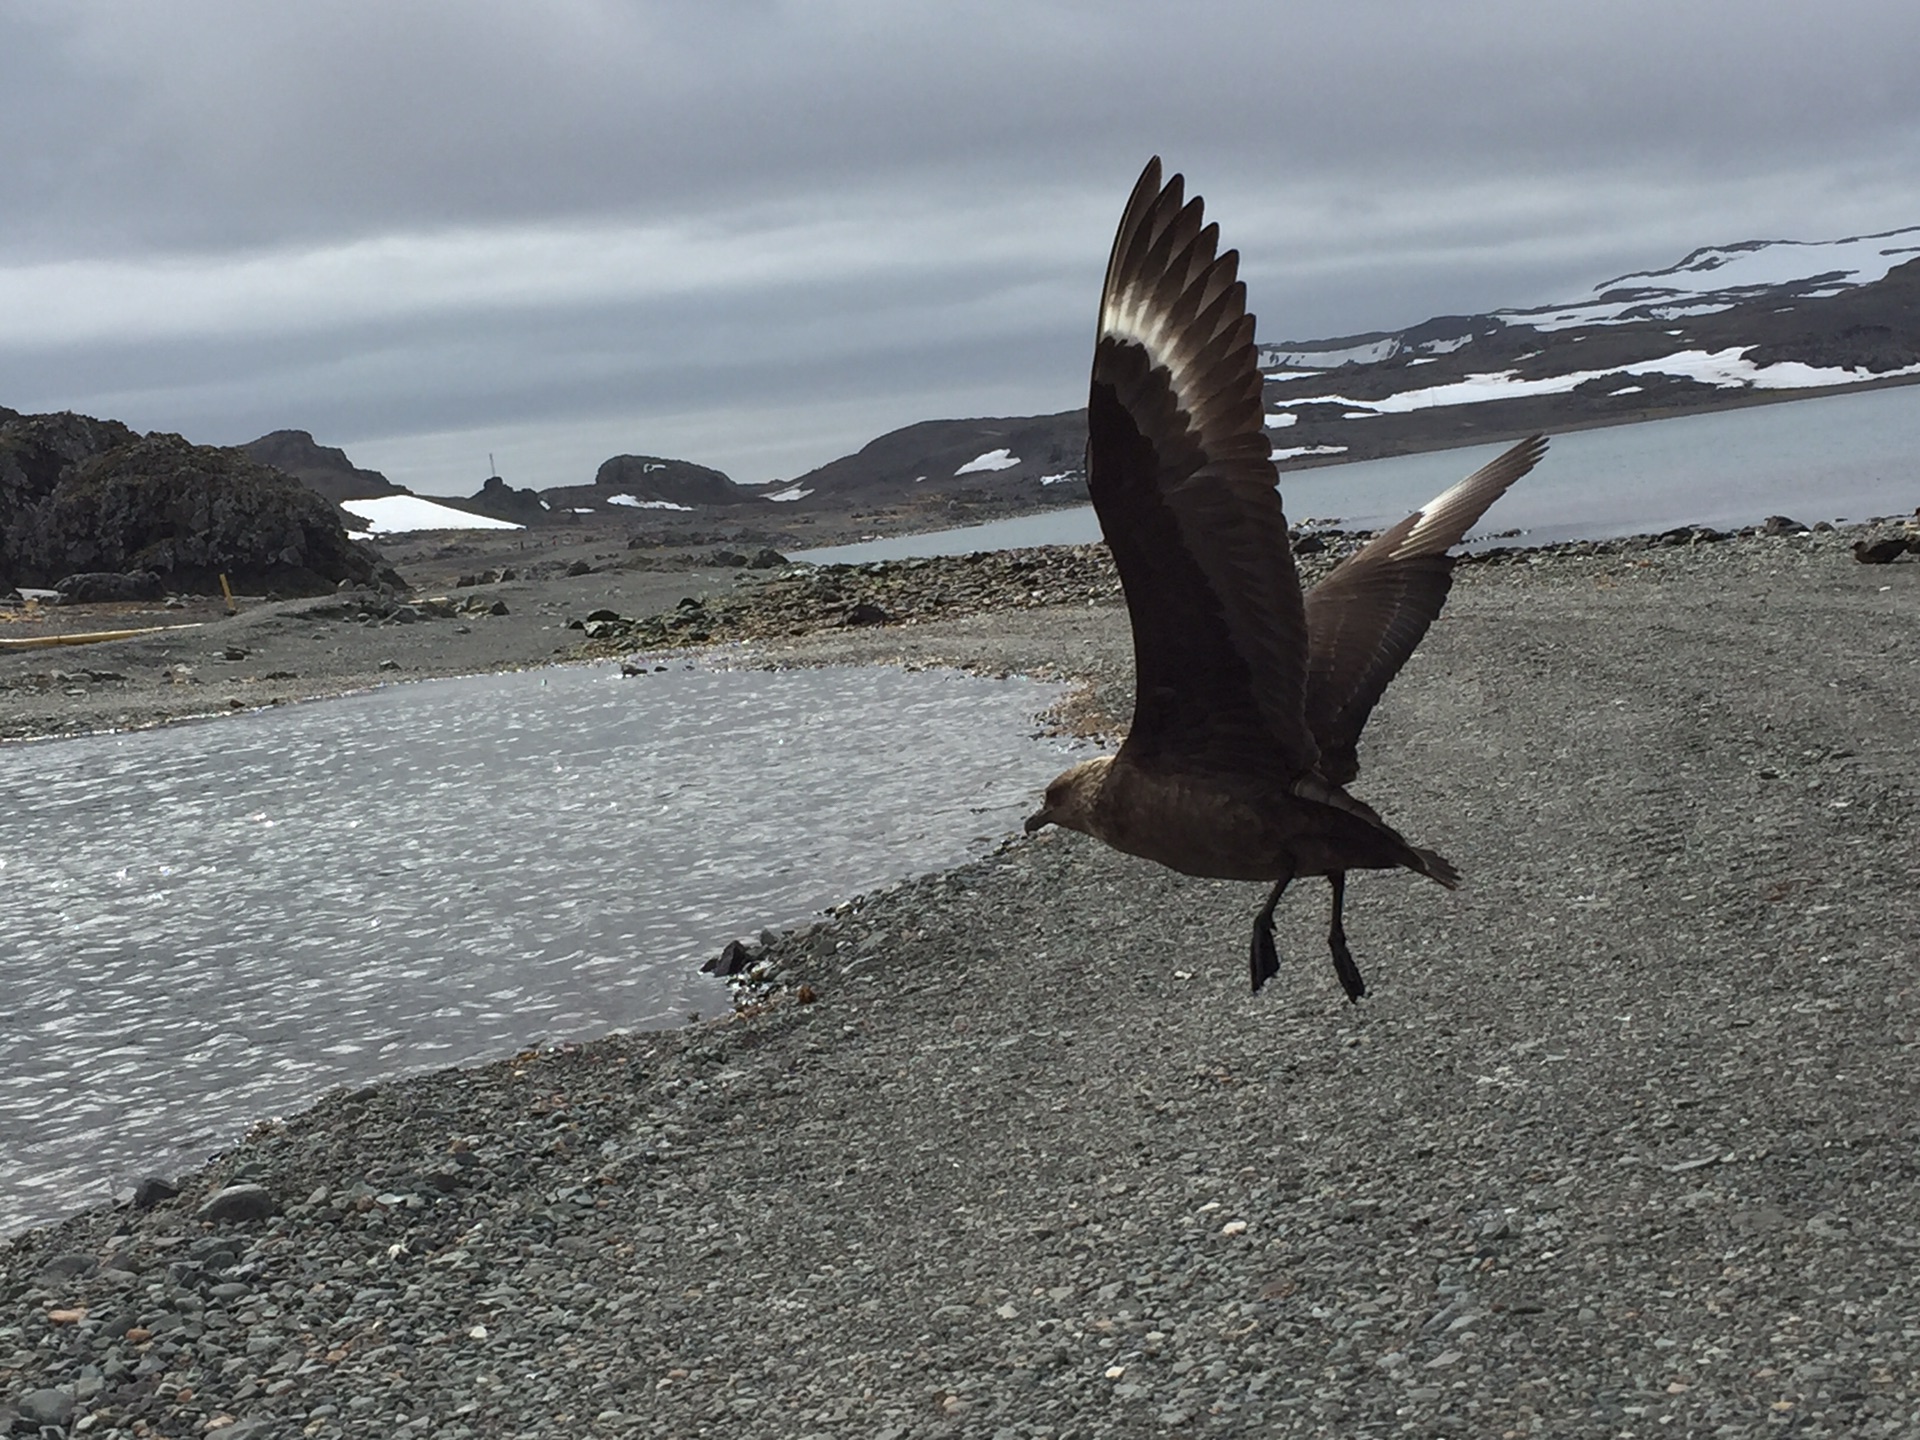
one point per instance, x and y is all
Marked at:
(1183, 480)
(1365, 618)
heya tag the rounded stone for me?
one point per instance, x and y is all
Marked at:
(46, 1407)
(238, 1202)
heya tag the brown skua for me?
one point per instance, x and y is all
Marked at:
(1249, 696)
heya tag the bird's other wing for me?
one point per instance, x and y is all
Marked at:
(1365, 618)
(1182, 477)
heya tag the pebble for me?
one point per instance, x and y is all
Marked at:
(237, 1202)
(46, 1406)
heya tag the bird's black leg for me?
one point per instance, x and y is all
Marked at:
(1264, 961)
(1343, 965)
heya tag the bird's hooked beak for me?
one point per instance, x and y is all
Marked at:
(1040, 819)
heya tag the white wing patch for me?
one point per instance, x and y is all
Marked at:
(1432, 526)
(1443, 520)
(1132, 316)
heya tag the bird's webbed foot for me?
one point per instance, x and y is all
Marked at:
(1262, 959)
(1343, 965)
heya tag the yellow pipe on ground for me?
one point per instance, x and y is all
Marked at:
(88, 637)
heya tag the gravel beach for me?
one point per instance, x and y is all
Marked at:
(1623, 1141)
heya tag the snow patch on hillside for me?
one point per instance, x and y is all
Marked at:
(1366, 353)
(1719, 277)
(1729, 369)
(402, 514)
(646, 504)
(992, 460)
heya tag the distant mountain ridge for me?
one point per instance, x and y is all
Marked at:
(1709, 280)
(1726, 325)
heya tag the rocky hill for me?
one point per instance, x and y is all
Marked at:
(939, 462)
(640, 483)
(324, 469)
(1730, 325)
(79, 495)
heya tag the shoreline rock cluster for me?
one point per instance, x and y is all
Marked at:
(802, 599)
(806, 599)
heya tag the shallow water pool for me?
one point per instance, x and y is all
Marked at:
(209, 924)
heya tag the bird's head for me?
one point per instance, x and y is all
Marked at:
(1071, 795)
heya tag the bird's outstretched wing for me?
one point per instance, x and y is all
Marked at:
(1182, 477)
(1365, 618)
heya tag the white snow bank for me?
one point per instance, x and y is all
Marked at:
(1729, 369)
(399, 514)
(1363, 354)
(1722, 275)
(992, 460)
(646, 504)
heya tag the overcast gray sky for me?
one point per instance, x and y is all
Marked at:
(757, 234)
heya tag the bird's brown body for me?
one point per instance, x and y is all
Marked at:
(1249, 696)
(1225, 827)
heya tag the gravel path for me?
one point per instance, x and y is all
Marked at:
(1623, 1142)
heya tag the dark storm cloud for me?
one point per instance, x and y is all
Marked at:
(732, 222)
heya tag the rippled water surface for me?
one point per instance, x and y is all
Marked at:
(209, 924)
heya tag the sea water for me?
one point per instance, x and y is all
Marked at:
(209, 924)
(1835, 457)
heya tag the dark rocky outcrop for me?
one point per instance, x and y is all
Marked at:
(323, 469)
(1882, 549)
(679, 482)
(503, 502)
(97, 586)
(37, 450)
(649, 478)
(1875, 328)
(79, 495)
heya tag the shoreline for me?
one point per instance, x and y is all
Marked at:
(279, 652)
(1579, 1149)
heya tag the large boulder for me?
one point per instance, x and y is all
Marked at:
(93, 587)
(80, 495)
